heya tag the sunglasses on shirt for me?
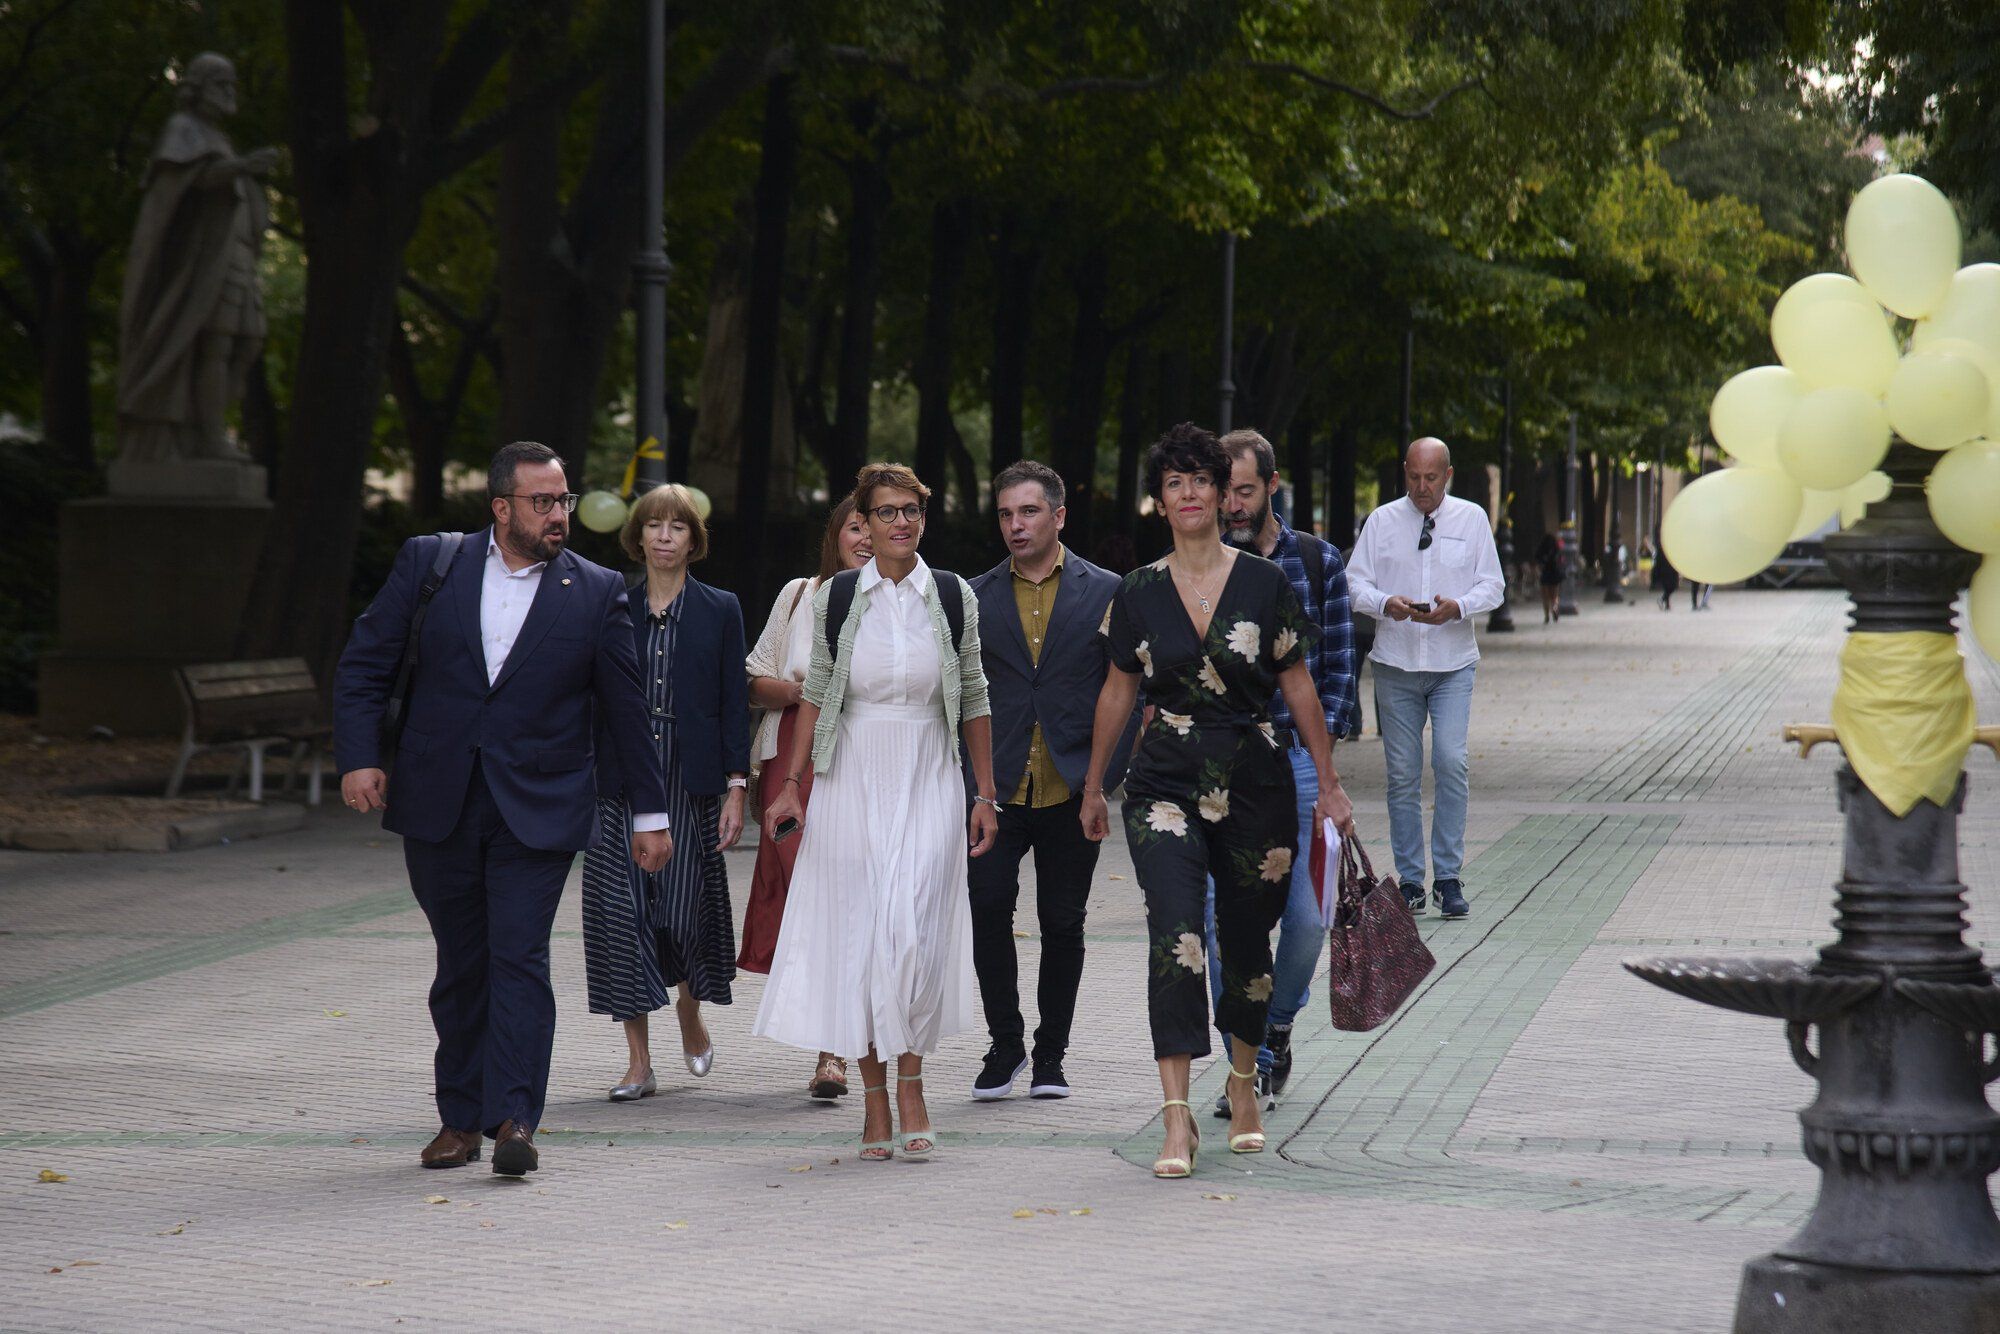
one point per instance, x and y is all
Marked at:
(1424, 538)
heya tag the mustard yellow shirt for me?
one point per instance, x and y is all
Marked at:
(1041, 785)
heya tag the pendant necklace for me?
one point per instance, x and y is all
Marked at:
(1200, 596)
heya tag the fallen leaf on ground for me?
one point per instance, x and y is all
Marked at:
(357, 1140)
(1020, 935)
(802, 1167)
(376, 1282)
(1050, 1212)
(1115, 877)
(1078, 1213)
(80, 1264)
(1211, 1195)
(56, 1270)
(334, 1014)
(1024, 1213)
(51, 1175)
(486, 1222)
(436, 1199)
(677, 1227)
(175, 1230)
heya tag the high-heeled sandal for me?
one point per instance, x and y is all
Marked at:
(926, 1137)
(877, 1150)
(1250, 1141)
(1174, 1169)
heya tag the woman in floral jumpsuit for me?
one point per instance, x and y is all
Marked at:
(1208, 632)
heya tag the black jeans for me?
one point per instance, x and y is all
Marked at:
(1064, 862)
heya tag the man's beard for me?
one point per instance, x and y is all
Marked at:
(1252, 525)
(541, 547)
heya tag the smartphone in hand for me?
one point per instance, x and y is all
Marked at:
(786, 828)
(1422, 608)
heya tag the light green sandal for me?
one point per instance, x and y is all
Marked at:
(1176, 1169)
(1250, 1141)
(927, 1137)
(880, 1150)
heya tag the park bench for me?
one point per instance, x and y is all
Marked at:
(253, 705)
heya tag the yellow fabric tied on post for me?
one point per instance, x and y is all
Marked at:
(1904, 715)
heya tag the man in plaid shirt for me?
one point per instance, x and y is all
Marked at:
(1320, 580)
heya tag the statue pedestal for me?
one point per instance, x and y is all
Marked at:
(146, 585)
(187, 479)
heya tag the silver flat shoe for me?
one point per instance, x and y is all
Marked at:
(699, 1066)
(645, 1088)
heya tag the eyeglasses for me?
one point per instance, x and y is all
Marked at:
(1424, 539)
(890, 513)
(544, 502)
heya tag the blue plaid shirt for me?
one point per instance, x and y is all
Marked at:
(1330, 659)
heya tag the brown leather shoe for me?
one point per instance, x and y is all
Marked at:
(453, 1148)
(514, 1150)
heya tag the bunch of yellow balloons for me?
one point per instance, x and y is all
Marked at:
(605, 511)
(1807, 436)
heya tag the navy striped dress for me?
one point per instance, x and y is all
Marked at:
(643, 934)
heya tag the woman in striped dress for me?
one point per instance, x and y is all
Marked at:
(645, 933)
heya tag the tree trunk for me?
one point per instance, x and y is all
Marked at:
(1131, 436)
(1592, 536)
(1342, 473)
(1175, 390)
(775, 170)
(421, 426)
(65, 355)
(854, 377)
(1016, 262)
(1083, 397)
(263, 421)
(935, 427)
(536, 276)
(1298, 438)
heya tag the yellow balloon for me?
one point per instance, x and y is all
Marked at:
(1832, 439)
(1970, 310)
(1988, 360)
(697, 497)
(1984, 603)
(1964, 492)
(1729, 525)
(1856, 499)
(1937, 400)
(601, 511)
(1820, 509)
(1903, 243)
(1748, 409)
(1828, 330)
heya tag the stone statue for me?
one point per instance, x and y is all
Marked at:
(192, 317)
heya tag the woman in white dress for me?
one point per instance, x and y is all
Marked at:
(874, 959)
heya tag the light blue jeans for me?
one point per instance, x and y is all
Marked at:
(1404, 701)
(1300, 935)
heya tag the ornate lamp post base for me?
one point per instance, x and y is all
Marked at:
(1799, 1297)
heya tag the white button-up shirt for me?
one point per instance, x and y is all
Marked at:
(504, 598)
(1461, 563)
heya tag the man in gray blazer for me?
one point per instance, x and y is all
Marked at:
(1045, 663)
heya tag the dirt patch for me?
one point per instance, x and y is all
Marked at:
(96, 782)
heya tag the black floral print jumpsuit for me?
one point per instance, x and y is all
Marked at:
(1210, 793)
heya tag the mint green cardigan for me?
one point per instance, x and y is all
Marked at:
(826, 676)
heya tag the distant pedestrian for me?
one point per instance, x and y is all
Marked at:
(1549, 556)
(526, 646)
(1045, 663)
(777, 667)
(1666, 579)
(1319, 579)
(644, 932)
(874, 960)
(1698, 595)
(1425, 568)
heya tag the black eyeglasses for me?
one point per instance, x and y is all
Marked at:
(544, 502)
(1424, 539)
(889, 513)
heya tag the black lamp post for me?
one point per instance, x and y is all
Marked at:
(1566, 532)
(1614, 566)
(1903, 1236)
(1225, 387)
(1501, 622)
(650, 268)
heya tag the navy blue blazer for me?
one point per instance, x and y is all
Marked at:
(1061, 691)
(530, 732)
(711, 692)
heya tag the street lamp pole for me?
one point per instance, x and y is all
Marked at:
(1567, 533)
(650, 268)
(1226, 352)
(1502, 620)
(1614, 567)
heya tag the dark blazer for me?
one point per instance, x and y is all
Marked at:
(1061, 692)
(530, 732)
(711, 692)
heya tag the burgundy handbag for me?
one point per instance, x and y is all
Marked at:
(1377, 956)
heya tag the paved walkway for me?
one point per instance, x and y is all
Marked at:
(225, 1053)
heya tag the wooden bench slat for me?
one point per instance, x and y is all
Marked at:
(247, 687)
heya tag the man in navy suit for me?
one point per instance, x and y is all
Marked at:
(1045, 663)
(524, 649)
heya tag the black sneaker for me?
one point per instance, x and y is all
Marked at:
(1413, 897)
(1048, 1081)
(1264, 1095)
(997, 1076)
(1278, 1041)
(1450, 900)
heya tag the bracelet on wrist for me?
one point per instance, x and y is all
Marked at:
(994, 802)
(791, 778)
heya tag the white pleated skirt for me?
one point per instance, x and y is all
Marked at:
(876, 946)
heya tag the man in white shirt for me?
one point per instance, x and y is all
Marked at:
(1425, 568)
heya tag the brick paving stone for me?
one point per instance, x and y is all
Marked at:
(226, 1052)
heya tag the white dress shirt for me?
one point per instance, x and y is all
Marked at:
(504, 598)
(1461, 563)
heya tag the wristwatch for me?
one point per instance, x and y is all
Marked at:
(735, 781)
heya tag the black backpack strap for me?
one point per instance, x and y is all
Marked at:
(839, 601)
(399, 693)
(1313, 556)
(951, 593)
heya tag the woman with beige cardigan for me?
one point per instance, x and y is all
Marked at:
(777, 666)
